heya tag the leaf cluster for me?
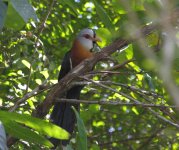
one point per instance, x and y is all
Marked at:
(34, 36)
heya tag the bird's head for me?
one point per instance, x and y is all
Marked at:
(88, 39)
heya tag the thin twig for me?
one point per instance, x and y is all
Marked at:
(112, 102)
(155, 134)
(28, 80)
(134, 100)
(123, 141)
(42, 25)
(120, 65)
(85, 66)
(34, 92)
(37, 90)
(132, 88)
(106, 73)
(163, 118)
(111, 89)
(142, 93)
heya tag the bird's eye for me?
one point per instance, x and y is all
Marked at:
(87, 36)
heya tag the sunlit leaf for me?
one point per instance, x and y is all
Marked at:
(153, 39)
(41, 126)
(135, 110)
(103, 16)
(21, 132)
(129, 52)
(98, 124)
(38, 81)
(71, 4)
(43, 45)
(105, 35)
(45, 73)
(26, 63)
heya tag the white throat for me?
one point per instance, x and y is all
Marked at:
(86, 43)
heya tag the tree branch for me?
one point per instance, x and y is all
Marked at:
(84, 67)
(123, 141)
(42, 25)
(34, 92)
(112, 102)
(154, 135)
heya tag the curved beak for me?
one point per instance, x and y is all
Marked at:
(96, 39)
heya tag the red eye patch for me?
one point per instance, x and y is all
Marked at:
(87, 36)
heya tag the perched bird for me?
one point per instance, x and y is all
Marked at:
(62, 114)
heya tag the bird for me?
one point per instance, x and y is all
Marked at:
(83, 47)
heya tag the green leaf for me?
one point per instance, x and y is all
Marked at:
(176, 64)
(105, 35)
(103, 16)
(82, 137)
(21, 132)
(95, 147)
(3, 9)
(26, 63)
(71, 4)
(149, 81)
(39, 125)
(24, 9)
(69, 147)
(13, 20)
(134, 109)
(129, 52)
(45, 73)
(19, 12)
(153, 39)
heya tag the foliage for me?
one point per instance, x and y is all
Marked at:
(81, 136)
(13, 122)
(34, 38)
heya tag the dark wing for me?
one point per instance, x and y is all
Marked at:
(65, 66)
(62, 114)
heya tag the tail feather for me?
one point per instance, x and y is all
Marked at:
(63, 114)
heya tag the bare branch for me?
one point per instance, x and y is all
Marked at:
(34, 92)
(119, 103)
(133, 88)
(163, 118)
(112, 102)
(42, 25)
(111, 89)
(120, 65)
(83, 67)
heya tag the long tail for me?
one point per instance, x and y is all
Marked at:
(63, 115)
